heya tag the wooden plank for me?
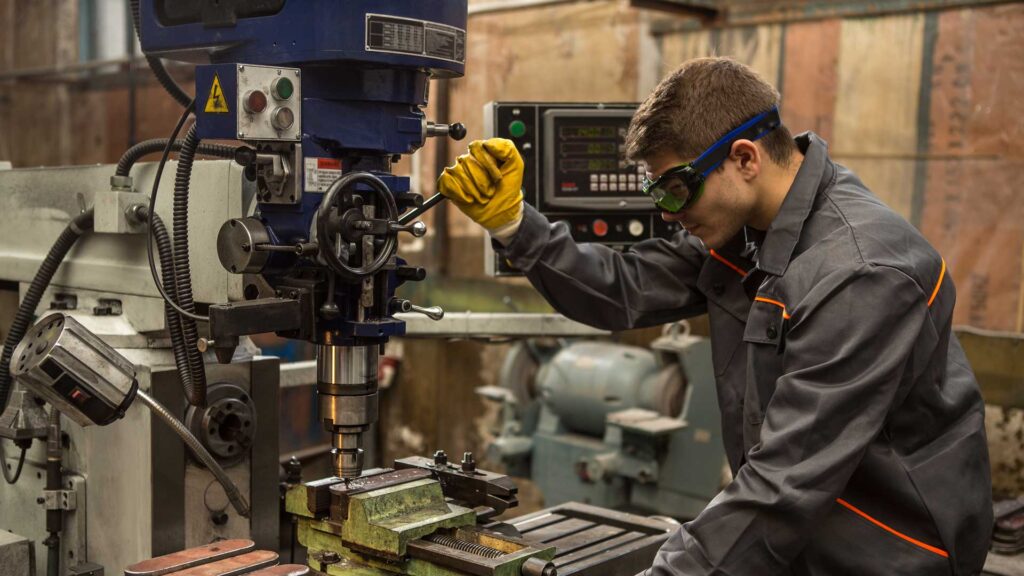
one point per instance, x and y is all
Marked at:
(875, 129)
(6, 63)
(973, 211)
(759, 47)
(811, 77)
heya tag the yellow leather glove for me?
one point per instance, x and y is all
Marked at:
(487, 184)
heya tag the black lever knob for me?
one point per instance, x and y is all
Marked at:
(457, 131)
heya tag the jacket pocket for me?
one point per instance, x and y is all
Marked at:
(764, 337)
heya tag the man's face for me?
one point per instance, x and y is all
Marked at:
(720, 212)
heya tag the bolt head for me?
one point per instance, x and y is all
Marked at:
(440, 458)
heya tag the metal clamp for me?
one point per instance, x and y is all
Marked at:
(60, 499)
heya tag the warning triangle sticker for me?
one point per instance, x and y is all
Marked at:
(215, 102)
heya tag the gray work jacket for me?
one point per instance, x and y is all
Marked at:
(852, 421)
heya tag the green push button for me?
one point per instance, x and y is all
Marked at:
(282, 88)
(517, 128)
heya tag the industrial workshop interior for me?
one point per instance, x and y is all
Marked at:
(511, 287)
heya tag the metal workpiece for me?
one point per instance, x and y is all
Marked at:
(237, 245)
(183, 559)
(74, 370)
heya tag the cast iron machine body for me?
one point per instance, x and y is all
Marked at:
(327, 96)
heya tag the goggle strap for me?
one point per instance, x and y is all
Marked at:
(753, 130)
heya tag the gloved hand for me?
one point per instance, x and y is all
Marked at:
(486, 184)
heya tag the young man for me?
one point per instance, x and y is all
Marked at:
(852, 422)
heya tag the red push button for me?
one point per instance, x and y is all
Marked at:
(600, 228)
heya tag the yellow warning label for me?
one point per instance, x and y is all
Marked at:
(215, 102)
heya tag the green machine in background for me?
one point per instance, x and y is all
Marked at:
(612, 425)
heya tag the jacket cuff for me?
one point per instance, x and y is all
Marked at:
(527, 243)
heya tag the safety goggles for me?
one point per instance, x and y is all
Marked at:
(679, 187)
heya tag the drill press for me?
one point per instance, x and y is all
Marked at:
(327, 96)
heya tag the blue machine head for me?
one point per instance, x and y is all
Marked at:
(319, 89)
(364, 64)
(325, 94)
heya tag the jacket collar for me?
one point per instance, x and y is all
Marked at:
(815, 174)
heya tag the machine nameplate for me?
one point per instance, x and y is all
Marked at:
(419, 37)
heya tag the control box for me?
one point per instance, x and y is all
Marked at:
(576, 171)
(248, 102)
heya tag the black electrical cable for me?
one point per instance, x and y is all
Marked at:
(157, 66)
(182, 268)
(152, 210)
(3, 465)
(178, 342)
(146, 147)
(27, 310)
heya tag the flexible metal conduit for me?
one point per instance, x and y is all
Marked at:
(234, 494)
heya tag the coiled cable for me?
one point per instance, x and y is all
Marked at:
(146, 147)
(182, 268)
(157, 66)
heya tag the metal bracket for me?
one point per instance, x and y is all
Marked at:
(60, 499)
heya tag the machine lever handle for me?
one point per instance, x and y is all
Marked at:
(417, 229)
(435, 313)
(456, 131)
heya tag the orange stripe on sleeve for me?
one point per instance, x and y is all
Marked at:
(775, 302)
(938, 284)
(735, 268)
(892, 531)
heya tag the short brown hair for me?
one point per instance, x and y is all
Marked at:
(701, 101)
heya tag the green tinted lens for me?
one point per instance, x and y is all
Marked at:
(668, 192)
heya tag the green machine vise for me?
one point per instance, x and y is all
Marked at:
(422, 518)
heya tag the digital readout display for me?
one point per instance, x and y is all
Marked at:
(587, 132)
(589, 148)
(589, 165)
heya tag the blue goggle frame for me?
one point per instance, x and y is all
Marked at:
(679, 187)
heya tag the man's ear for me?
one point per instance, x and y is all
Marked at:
(748, 158)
